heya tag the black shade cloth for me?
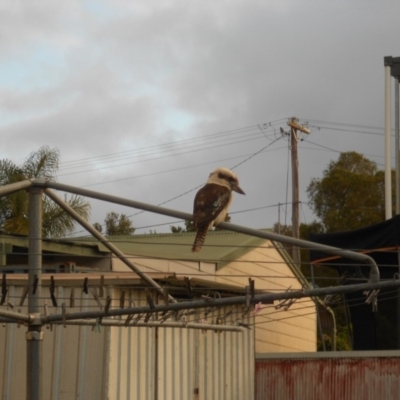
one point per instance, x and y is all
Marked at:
(371, 331)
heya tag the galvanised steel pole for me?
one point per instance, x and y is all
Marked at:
(34, 335)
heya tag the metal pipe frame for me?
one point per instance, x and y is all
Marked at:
(36, 320)
(105, 242)
(155, 324)
(267, 298)
(46, 185)
(19, 317)
(14, 187)
(363, 258)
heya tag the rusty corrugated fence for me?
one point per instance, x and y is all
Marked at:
(329, 376)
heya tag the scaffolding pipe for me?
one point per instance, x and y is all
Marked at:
(228, 301)
(105, 242)
(363, 258)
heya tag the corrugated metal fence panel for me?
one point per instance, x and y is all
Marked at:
(132, 355)
(73, 357)
(219, 376)
(226, 367)
(206, 365)
(121, 363)
(182, 364)
(346, 378)
(176, 364)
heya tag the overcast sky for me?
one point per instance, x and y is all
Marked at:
(143, 99)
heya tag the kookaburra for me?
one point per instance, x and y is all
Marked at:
(212, 202)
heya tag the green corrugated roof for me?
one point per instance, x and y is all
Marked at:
(220, 246)
(55, 245)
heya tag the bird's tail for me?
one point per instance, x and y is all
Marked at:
(199, 239)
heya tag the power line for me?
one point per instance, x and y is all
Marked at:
(191, 190)
(165, 156)
(149, 150)
(185, 143)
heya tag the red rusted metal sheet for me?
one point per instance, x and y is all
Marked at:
(344, 376)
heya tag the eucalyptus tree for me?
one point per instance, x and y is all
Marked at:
(118, 224)
(350, 194)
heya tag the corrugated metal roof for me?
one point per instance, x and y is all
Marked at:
(56, 245)
(221, 246)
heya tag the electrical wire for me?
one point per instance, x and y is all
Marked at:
(227, 137)
(224, 134)
(193, 189)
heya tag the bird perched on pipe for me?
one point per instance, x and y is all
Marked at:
(212, 201)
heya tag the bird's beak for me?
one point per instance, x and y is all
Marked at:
(238, 189)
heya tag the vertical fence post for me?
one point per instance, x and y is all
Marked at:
(34, 335)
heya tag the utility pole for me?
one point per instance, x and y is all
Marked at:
(294, 127)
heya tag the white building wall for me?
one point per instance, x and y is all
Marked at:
(149, 265)
(277, 330)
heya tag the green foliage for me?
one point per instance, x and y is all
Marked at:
(118, 224)
(14, 208)
(189, 227)
(350, 194)
(56, 222)
(177, 229)
(98, 227)
(342, 341)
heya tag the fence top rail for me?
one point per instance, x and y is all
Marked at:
(329, 354)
